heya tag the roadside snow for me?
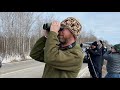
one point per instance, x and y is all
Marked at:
(8, 58)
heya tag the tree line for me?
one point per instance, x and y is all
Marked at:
(20, 30)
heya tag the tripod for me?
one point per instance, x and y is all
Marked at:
(92, 65)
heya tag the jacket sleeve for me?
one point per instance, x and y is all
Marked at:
(97, 53)
(37, 51)
(104, 50)
(65, 60)
(107, 55)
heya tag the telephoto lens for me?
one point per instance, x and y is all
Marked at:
(48, 25)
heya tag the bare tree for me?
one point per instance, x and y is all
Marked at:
(38, 31)
(86, 37)
(15, 28)
(19, 31)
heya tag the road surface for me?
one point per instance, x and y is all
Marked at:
(30, 69)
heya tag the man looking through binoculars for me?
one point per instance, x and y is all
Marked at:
(59, 50)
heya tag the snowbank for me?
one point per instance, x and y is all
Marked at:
(8, 58)
(28, 57)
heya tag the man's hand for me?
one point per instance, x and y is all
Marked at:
(55, 26)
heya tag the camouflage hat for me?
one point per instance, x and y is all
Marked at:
(72, 24)
(117, 47)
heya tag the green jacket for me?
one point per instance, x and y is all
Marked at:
(59, 64)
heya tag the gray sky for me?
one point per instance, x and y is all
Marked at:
(105, 25)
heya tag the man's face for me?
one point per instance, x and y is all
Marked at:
(64, 36)
(99, 43)
(113, 50)
(93, 47)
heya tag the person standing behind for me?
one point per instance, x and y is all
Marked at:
(113, 62)
(103, 49)
(101, 46)
(94, 61)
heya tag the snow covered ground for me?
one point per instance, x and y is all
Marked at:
(8, 58)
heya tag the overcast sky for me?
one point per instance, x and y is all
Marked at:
(105, 25)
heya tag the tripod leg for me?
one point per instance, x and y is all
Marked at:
(92, 66)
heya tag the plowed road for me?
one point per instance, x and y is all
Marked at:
(30, 69)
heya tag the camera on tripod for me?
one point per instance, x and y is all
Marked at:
(48, 25)
(86, 50)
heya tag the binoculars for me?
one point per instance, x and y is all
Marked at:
(48, 25)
